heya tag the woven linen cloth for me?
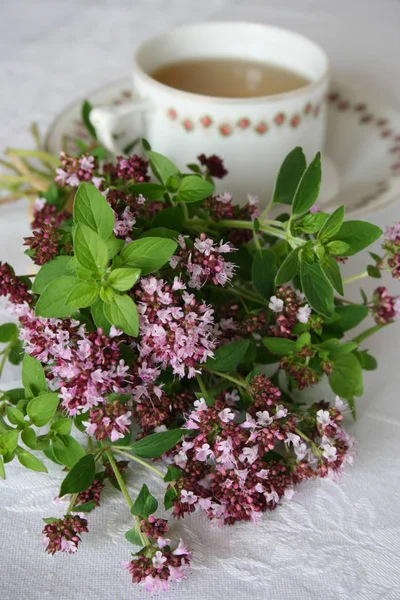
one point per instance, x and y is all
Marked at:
(332, 541)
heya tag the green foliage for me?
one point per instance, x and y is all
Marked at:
(280, 346)
(67, 450)
(156, 444)
(358, 235)
(289, 176)
(42, 408)
(145, 504)
(85, 113)
(90, 249)
(263, 273)
(332, 224)
(228, 357)
(193, 188)
(308, 188)
(161, 166)
(80, 477)
(316, 288)
(8, 332)
(50, 271)
(148, 254)
(92, 210)
(346, 379)
(288, 269)
(121, 311)
(123, 279)
(30, 461)
(33, 377)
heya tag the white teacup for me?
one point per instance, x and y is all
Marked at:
(252, 135)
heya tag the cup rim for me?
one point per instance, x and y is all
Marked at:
(271, 98)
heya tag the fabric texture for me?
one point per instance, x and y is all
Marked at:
(332, 541)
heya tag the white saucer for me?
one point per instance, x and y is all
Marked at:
(361, 156)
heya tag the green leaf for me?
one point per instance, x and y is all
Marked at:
(308, 189)
(42, 408)
(85, 114)
(99, 317)
(229, 356)
(332, 224)
(33, 377)
(171, 218)
(80, 476)
(173, 473)
(83, 293)
(122, 313)
(67, 450)
(156, 444)
(337, 248)
(161, 232)
(92, 210)
(288, 269)
(51, 270)
(161, 166)
(133, 537)
(332, 273)
(14, 395)
(150, 191)
(62, 426)
(289, 176)
(263, 273)
(358, 235)
(145, 504)
(16, 353)
(303, 340)
(170, 495)
(148, 254)
(123, 279)
(316, 288)
(90, 249)
(53, 301)
(8, 332)
(2, 470)
(280, 346)
(85, 508)
(367, 362)
(335, 348)
(107, 294)
(28, 436)
(374, 272)
(351, 315)
(15, 416)
(194, 188)
(30, 462)
(346, 378)
(9, 440)
(312, 223)
(114, 246)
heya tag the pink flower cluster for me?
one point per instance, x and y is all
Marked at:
(62, 535)
(204, 262)
(176, 329)
(223, 463)
(83, 366)
(157, 565)
(134, 167)
(75, 170)
(13, 287)
(385, 308)
(392, 246)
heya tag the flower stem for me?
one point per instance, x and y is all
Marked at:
(355, 277)
(126, 495)
(242, 294)
(365, 334)
(225, 376)
(118, 450)
(72, 503)
(201, 384)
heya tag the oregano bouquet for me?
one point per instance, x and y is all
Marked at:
(156, 311)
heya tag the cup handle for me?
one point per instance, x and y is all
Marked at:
(105, 120)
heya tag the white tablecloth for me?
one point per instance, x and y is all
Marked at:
(332, 541)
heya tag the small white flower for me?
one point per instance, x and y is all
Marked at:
(275, 304)
(188, 497)
(263, 473)
(249, 454)
(226, 415)
(272, 497)
(281, 412)
(253, 200)
(200, 404)
(159, 560)
(323, 417)
(396, 307)
(329, 453)
(263, 418)
(303, 314)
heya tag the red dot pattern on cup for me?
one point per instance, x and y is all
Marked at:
(367, 118)
(244, 123)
